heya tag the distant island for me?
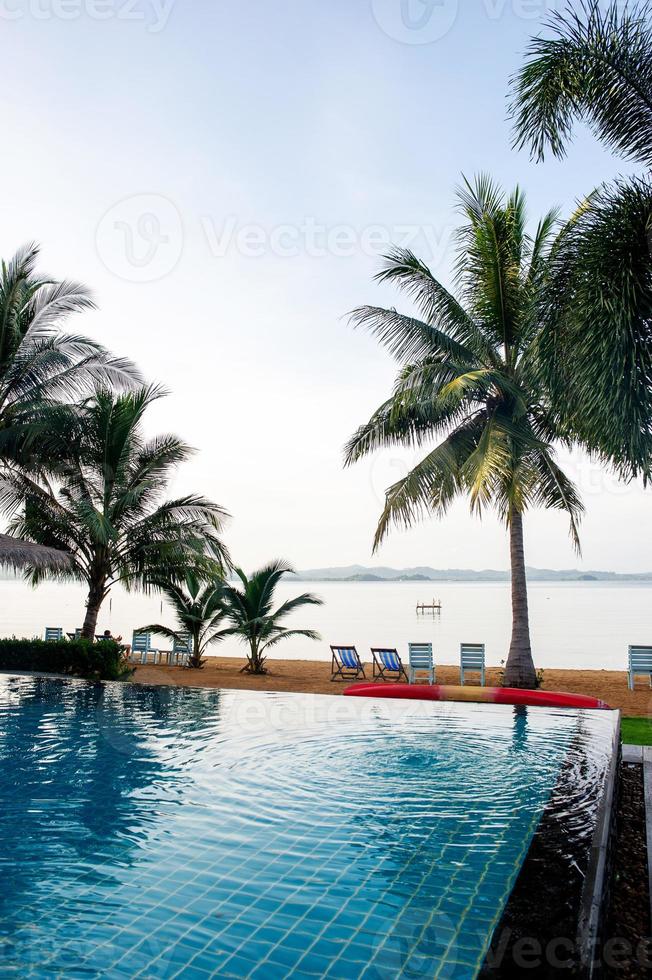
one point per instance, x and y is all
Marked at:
(360, 573)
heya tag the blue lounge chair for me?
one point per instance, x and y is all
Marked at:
(421, 660)
(346, 663)
(141, 646)
(53, 633)
(640, 662)
(387, 661)
(75, 635)
(472, 658)
(181, 650)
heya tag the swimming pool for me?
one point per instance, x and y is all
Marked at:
(163, 832)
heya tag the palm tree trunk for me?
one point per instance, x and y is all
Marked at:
(255, 660)
(519, 670)
(195, 660)
(94, 602)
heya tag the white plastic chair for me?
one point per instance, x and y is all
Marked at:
(472, 658)
(141, 645)
(421, 660)
(181, 650)
(640, 662)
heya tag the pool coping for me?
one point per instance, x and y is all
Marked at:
(582, 933)
(596, 884)
(641, 755)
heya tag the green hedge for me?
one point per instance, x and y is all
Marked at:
(79, 658)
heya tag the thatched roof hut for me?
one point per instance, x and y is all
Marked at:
(17, 553)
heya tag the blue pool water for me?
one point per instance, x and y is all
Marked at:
(165, 832)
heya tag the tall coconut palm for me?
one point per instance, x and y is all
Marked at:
(197, 606)
(107, 506)
(253, 618)
(596, 66)
(469, 381)
(39, 363)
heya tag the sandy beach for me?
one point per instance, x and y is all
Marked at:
(313, 677)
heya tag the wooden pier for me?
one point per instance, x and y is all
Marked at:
(433, 607)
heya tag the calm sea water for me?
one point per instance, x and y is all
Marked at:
(573, 624)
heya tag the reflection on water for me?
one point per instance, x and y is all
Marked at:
(79, 767)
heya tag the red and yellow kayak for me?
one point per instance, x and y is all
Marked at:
(486, 695)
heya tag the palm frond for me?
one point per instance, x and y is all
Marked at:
(596, 339)
(407, 338)
(596, 66)
(432, 485)
(287, 634)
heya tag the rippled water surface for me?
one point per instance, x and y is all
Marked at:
(171, 832)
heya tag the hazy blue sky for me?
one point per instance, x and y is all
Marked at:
(223, 174)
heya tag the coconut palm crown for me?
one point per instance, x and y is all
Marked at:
(469, 382)
(40, 365)
(253, 617)
(198, 610)
(595, 65)
(107, 507)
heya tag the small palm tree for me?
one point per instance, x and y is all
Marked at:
(595, 65)
(106, 507)
(250, 610)
(470, 378)
(39, 364)
(197, 607)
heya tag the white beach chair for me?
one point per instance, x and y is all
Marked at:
(181, 651)
(421, 660)
(141, 647)
(640, 662)
(472, 658)
(53, 633)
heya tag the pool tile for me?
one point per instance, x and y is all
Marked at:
(216, 851)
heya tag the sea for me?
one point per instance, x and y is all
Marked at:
(573, 624)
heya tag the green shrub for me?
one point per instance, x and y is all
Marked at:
(79, 658)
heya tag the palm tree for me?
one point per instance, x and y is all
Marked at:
(596, 338)
(106, 507)
(197, 607)
(250, 610)
(469, 377)
(597, 66)
(39, 364)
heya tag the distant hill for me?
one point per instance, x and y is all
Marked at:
(360, 573)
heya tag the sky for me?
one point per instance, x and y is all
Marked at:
(225, 175)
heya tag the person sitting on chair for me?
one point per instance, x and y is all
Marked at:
(108, 635)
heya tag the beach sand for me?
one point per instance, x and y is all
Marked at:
(313, 677)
